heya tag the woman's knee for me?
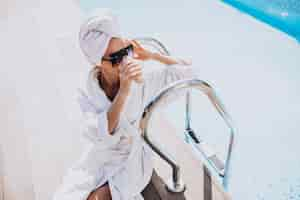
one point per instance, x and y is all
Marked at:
(101, 193)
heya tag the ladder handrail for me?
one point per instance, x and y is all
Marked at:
(163, 94)
(157, 45)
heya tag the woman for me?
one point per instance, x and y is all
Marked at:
(117, 165)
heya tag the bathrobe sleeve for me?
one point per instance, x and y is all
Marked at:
(94, 125)
(157, 80)
(94, 106)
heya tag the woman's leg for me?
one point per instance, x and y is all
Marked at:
(101, 193)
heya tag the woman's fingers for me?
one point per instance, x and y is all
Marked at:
(128, 70)
(136, 48)
(136, 77)
(132, 70)
(132, 67)
(133, 42)
(123, 67)
(132, 74)
(136, 44)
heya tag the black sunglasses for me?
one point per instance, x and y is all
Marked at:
(117, 57)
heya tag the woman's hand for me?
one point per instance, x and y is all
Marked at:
(139, 52)
(143, 54)
(130, 70)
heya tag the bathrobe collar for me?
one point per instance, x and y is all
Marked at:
(98, 96)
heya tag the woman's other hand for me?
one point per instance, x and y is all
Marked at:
(139, 52)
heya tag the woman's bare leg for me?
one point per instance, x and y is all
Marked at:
(101, 193)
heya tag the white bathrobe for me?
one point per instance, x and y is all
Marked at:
(123, 159)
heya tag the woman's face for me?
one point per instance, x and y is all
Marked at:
(114, 45)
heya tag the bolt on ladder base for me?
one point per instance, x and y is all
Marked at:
(157, 190)
(175, 188)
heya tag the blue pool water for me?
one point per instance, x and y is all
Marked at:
(282, 14)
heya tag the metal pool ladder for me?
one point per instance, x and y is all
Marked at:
(221, 168)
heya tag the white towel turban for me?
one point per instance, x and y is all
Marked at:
(96, 32)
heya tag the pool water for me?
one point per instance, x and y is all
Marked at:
(282, 14)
